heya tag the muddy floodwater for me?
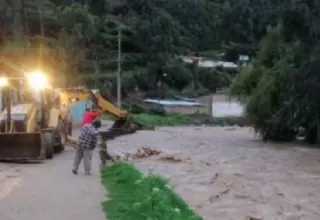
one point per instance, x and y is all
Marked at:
(225, 173)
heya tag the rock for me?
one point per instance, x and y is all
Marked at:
(254, 217)
(172, 159)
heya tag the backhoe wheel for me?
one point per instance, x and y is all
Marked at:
(58, 143)
(48, 143)
(60, 136)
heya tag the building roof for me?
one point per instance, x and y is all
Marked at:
(203, 62)
(172, 102)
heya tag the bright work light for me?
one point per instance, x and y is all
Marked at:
(3, 82)
(37, 80)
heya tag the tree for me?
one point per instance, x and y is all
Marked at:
(78, 39)
(280, 87)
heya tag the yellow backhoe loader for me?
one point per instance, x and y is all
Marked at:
(30, 130)
(33, 130)
(123, 124)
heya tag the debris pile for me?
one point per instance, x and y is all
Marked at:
(172, 159)
(145, 152)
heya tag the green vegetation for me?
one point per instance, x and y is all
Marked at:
(75, 40)
(176, 119)
(280, 88)
(77, 43)
(132, 195)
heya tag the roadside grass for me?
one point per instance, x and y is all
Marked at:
(163, 120)
(182, 120)
(134, 196)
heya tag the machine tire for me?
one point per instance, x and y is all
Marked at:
(48, 143)
(60, 137)
(59, 146)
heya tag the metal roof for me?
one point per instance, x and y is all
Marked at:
(209, 63)
(173, 102)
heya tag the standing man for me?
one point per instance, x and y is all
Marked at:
(86, 143)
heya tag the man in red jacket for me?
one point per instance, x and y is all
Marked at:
(89, 116)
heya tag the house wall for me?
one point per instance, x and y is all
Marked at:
(187, 110)
(205, 108)
(222, 106)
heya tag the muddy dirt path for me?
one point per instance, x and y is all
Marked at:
(226, 174)
(50, 191)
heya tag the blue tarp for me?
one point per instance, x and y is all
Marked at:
(77, 110)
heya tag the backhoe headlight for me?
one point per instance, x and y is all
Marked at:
(37, 80)
(3, 81)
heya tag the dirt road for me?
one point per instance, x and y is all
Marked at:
(49, 191)
(225, 174)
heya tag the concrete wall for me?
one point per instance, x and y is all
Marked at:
(205, 108)
(222, 106)
(187, 110)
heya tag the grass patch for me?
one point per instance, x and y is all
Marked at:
(133, 196)
(172, 119)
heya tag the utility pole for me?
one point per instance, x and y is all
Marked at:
(195, 64)
(119, 69)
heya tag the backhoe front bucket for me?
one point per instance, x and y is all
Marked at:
(122, 126)
(127, 125)
(21, 147)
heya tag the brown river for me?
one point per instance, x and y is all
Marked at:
(227, 174)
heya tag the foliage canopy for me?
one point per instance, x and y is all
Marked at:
(70, 38)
